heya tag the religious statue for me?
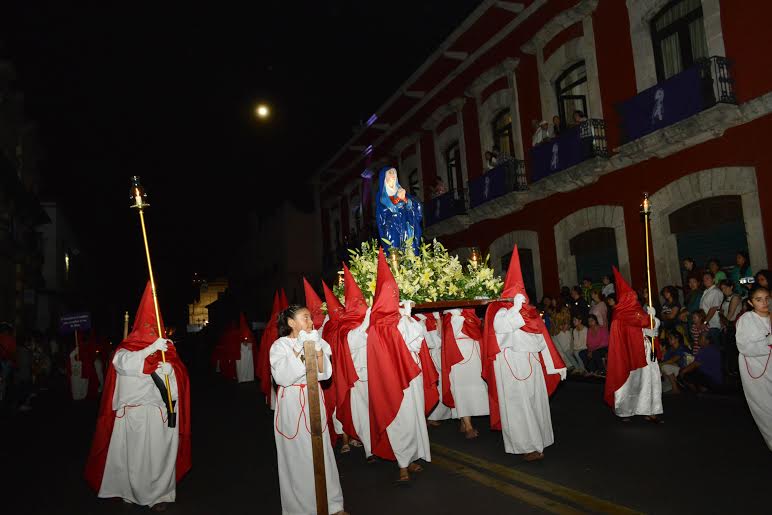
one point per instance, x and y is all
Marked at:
(398, 213)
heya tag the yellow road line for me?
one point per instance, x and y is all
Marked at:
(527, 496)
(586, 501)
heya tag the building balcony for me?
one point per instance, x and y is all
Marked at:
(574, 145)
(504, 178)
(445, 206)
(684, 95)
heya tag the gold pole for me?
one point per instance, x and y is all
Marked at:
(140, 205)
(155, 303)
(646, 213)
(125, 325)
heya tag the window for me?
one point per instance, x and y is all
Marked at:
(571, 89)
(678, 36)
(502, 133)
(453, 167)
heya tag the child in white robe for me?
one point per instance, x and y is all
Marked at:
(754, 342)
(292, 427)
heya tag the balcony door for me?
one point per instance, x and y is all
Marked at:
(678, 36)
(502, 133)
(453, 168)
(571, 90)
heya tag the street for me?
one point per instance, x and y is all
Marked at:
(708, 457)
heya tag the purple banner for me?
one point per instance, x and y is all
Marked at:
(491, 185)
(74, 322)
(669, 102)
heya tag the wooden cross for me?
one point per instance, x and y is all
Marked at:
(315, 413)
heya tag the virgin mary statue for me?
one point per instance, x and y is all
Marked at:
(398, 214)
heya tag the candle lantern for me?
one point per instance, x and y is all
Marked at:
(474, 257)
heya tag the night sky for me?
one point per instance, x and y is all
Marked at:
(168, 92)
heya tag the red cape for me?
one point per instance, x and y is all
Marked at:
(270, 335)
(430, 375)
(144, 334)
(87, 352)
(626, 350)
(344, 371)
(390, 366)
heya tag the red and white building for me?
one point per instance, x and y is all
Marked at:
(677, 96)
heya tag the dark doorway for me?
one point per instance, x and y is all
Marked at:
(595, 251)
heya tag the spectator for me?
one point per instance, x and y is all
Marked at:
(714, 266)
(579, 117)
(565, 295)
(579, 307)
(491, 160)
(563, 342)
(711, 305)
(611, 301)
(705, 371)
(741, 270)
(561, 316)
(674, 359)
(542, 133)
(7, 357)
(731, 308)
(608, 286)
(579, 344)
(698, 330)
(599, 308)
(587, 289)
(694, 295)
(682, 324)
(670, 307)
(597, 346)
(439, 187)
(555, 129)
(690, 270)
(764, 279)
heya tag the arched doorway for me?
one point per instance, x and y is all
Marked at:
(595, 251)
(710, 228)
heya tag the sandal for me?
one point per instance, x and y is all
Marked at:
(415, 467)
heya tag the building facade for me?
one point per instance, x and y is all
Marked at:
(21, 214)
(666, 97)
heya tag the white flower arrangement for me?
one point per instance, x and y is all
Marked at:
(431, 275)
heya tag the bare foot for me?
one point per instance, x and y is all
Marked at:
(471, 433)
(404, 476)
(433, 423)
(654, 419)
(355, 443)
(344, 449)
(534, 456)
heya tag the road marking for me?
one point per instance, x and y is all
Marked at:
(527, 496)
(581, 499)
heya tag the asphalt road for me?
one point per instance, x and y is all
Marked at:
(708, 457)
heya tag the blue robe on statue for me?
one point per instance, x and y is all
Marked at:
(398, 220)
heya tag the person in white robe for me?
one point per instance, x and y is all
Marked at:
(245, 366)
(408, 434)
(754, 342)
(78, 383)
(292, 427)
(140, 466)
(434, 343)
(641, 394)
(526, 421)
(469, 389)
(359, 396)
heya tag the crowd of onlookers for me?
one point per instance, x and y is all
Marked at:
(698, 351)
(26, 366)
(544, 131)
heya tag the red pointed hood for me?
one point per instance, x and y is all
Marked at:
(245, 333)
(270, 335)
(145, 329)
(386, 301)
(334, 308)
(356, 305)
(313, 303)
(513, 283)
(283, 304)
(620, 285)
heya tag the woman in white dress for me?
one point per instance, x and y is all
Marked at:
(755, 345)
(292, 427)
